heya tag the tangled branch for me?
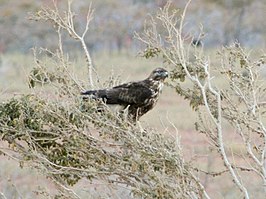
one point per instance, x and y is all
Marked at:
(68, 139)
(239, 102)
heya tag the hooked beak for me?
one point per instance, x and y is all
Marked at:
(165, 74)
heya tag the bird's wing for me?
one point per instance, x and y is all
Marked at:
(129, 93)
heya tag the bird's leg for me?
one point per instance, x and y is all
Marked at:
(138, 123)
(125, 113)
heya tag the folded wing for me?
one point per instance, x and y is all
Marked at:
(125, 94)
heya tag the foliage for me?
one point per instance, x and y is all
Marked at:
(240, 101)
(67, 138)
(68, 141)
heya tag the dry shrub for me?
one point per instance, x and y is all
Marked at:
(238, 101)
(67, 138)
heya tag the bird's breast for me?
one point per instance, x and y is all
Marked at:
(157, 87)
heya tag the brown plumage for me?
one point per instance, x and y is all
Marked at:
(138, 97)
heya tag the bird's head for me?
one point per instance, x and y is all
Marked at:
(158, 74)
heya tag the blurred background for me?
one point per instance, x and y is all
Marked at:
(115, 21)
(114, 49)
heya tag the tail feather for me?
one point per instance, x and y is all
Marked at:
(95, 94)
(88, 92)
(109, 96)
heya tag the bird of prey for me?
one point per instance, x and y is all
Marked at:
(137, 97)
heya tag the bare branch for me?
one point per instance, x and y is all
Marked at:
(66, 22)
(238, 102)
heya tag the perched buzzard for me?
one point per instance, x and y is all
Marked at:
(138, 97)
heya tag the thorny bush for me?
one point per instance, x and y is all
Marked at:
(67, 138)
